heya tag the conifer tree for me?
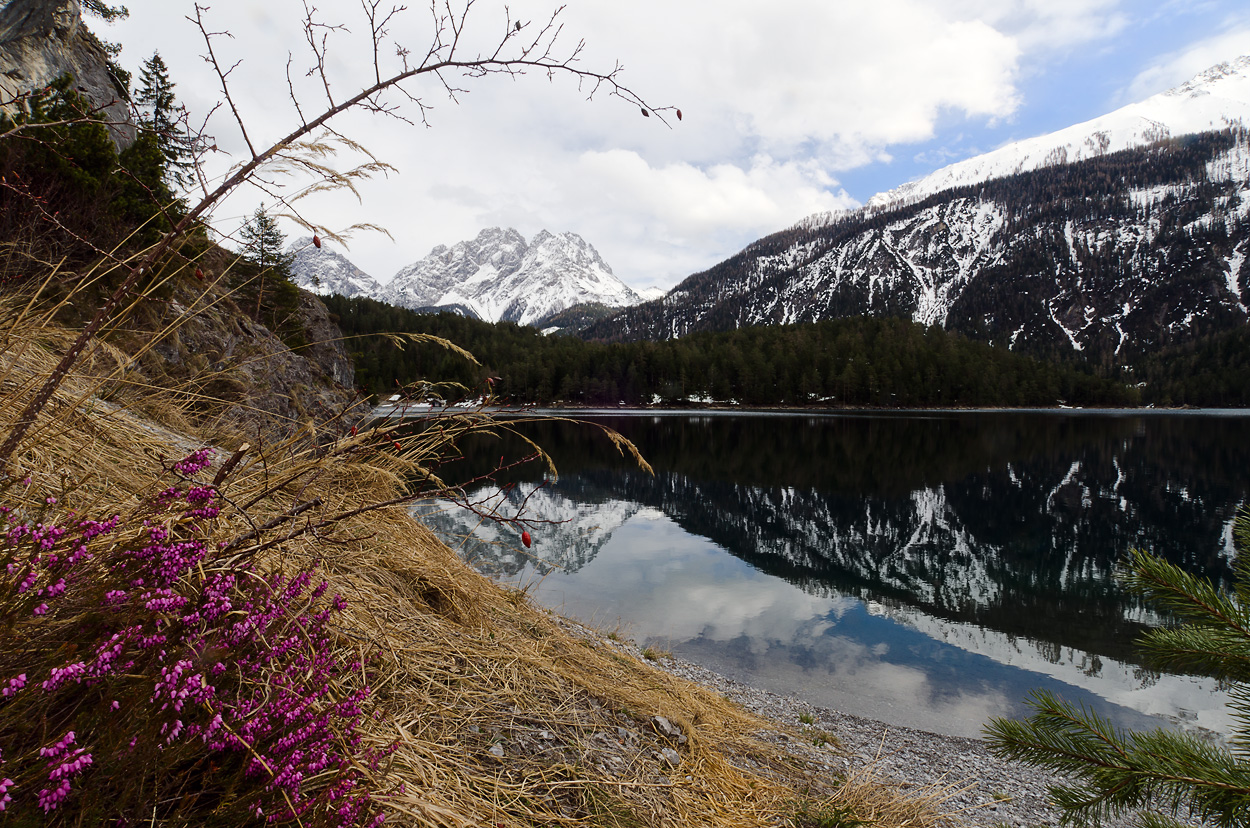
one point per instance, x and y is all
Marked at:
(105, 11)
(264, 243)
(163, 117)
(1164, 775)
(263, 247)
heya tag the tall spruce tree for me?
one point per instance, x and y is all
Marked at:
(162, 116)
(264, 243)
(1164, 775)
(263, 247)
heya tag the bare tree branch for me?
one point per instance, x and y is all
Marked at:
(443, 60)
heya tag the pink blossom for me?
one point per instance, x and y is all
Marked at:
(195, 461)
(61, 675)
(54, 750)
(15, 684)
(49, 800)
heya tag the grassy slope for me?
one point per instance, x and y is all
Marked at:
(466, 666)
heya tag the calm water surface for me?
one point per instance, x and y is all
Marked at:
(926, 569)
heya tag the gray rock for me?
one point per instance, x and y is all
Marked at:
(670, 757)
(666, 728)
(40, 40)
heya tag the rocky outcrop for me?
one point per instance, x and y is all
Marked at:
(41, 40)
(248, 380)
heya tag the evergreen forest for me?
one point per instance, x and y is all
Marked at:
(860, 361)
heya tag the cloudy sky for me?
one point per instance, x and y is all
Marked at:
(790, 107)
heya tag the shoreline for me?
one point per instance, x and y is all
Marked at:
(970, 784)
(401, 411)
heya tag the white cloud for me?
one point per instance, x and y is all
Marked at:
(692, 202)
(835, 80)
(1048, 24)
(779, 99)
(1168, 71)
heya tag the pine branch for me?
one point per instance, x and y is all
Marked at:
(1116, 772)
(1165, 772)
(1189, 598)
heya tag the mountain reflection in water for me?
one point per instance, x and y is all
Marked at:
(926, 569)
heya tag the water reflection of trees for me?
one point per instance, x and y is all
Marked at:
(1014, 522)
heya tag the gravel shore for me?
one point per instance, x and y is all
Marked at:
(978, 788)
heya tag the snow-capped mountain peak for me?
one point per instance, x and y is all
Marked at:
(497, 276)
(1215, 99)
(323, 271)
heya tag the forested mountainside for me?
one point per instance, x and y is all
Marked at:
(230, 340)
(1110, 258)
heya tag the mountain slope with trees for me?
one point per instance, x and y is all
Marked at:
(1105, 260)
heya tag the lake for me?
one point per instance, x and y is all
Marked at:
(927, 569)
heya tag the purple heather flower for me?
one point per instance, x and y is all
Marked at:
(15, 684)
(61, 675)
(55, 750)
(195, 461)
(49, 800)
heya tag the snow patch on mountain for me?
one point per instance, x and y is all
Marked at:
(1236, 267)
(931, 256)
(499, 277)
(1215, 99)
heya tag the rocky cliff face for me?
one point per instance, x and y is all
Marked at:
(497, 276)
(41, 40)
(242, 375)
(323, 271)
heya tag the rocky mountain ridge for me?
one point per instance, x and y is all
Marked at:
(497, 276)
(324, 271)
(1110, 257)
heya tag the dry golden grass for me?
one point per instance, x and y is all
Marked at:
(466, 666)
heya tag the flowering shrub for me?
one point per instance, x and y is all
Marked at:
(170, 685)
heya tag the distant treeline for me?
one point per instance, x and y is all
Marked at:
(848, 362)
(1212, 372)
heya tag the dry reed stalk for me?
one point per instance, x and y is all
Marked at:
(465, 666)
